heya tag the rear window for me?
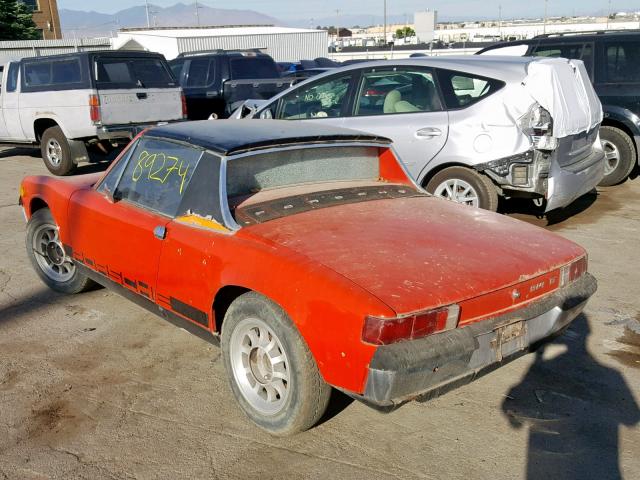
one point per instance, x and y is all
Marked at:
(267, 171)
(463, 90)
(622, 62)
(141, 72)
(55, 73)
(243, 68)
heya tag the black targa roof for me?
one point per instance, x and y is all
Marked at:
(229, 137)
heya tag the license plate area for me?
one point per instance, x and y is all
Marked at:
(509, 339)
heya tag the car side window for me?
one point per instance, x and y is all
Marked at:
(201, 73)
(622, 62)
(580, 51)
(12, 77)
(36, 74)
(158, 174)
(462, 90)
(322, 99)
(176, 68)
(384, 92)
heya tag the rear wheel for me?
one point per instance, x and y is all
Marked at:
(620, 155)
(56, 152)
(463, 185)
(48, 257)
(271, 371)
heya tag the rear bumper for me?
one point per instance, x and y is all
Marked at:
(426, 368)
(567, 184)
(110, 132)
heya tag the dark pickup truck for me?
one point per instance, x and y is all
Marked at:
(216, 82)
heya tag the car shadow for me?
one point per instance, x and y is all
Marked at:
(20, 151)
(572, 406)
(525, 209)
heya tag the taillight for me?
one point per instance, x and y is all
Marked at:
(382, 331)
(94, 108)
(184, 106)
(372, 92)
(573, 271)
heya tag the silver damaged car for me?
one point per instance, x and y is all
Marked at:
(469, 129)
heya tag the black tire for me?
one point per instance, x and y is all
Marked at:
(485, 190)
(74, 281)
(621, 155)
(56, 153)
(306, 395)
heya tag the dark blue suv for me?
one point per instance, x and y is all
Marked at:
(612, 59)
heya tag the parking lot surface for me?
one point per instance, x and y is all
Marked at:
(94, 387)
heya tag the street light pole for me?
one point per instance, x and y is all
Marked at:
(146, 5)
(384, 37)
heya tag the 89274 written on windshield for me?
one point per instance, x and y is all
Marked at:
(158, 174)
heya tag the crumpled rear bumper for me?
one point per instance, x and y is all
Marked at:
(426, 368)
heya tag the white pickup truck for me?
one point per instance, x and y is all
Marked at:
(66, 103)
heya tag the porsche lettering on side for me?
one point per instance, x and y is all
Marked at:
(312, 256)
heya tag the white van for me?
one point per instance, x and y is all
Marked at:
(66, 103)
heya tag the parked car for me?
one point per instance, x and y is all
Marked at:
(64, 103)
(469, 129)
(612, 59)
(313, 256)
(216, 82)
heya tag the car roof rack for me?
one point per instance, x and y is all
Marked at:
(587, 32)
(219, 51)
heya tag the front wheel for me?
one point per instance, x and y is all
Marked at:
(465, 186)
(48, 258)
(272, 373)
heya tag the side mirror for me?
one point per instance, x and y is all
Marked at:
(213, 116)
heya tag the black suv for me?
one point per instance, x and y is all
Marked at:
(216, 82)
(612, 59)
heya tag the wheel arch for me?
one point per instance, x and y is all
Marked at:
(36, 204)
(40, 125)
(223, 299)
(428, 175)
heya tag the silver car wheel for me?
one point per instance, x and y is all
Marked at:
(458, 191)
(260, 366)
(50, 254)
(54, 152)
(612, 157)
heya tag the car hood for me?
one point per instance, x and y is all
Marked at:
(420, 252)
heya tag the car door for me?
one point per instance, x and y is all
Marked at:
(402, 103)
(618, 76)
(326, 100)
(118, 228)
(193, 249)
(200, 84)
(11, 104)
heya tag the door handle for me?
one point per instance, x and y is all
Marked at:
(160, 232)
(428, 132)
(141, 95)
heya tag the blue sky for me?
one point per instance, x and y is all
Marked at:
(295, 9)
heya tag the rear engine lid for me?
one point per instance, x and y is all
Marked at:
(422, 252)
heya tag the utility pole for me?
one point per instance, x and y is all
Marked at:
(197, 13)
(384, 32)
(608, 14)
(500, 21)
(544, 28)
(337, 24)
(146, 6)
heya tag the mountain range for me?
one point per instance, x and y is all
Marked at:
(95, 24)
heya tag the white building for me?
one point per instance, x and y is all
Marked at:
(283, 44)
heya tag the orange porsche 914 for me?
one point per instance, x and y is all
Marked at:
(314, 260)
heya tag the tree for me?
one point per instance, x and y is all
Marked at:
(405, 32)
(16, 22)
